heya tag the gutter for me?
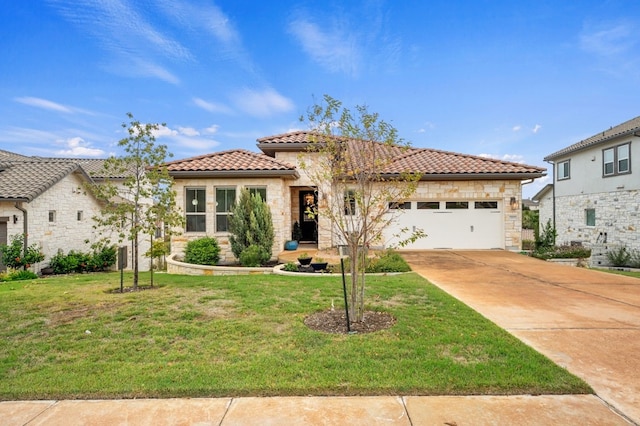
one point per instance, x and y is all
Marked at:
(553, 193)
(25, 227)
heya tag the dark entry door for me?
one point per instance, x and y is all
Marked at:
(308, 223)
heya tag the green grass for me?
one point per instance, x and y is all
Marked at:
(244, 336)
(635, 274)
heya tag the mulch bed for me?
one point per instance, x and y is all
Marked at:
(334, 321)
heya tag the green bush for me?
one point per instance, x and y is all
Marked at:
(546, 236)
(202, 251)
(619, 256)
(563, 252)
(101, 259)
(251, 224)
(254, 255)
(15, 256)
(634, 259)
(290, 267)
(388, 261)
(17, 275)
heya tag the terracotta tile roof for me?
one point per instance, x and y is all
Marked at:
(627, 128)
(25, 180)
(231, 162)
(432, 162)
(429, 162)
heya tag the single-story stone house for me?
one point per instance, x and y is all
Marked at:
(461, 202)
(46, 200)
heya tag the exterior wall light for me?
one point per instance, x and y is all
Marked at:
(513, 203)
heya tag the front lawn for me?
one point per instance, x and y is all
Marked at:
(69, 337)
(635, 274)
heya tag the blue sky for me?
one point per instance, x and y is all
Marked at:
(511, 80)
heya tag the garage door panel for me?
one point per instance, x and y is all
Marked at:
(455, 228)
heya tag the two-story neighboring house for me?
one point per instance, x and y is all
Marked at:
(595, 197)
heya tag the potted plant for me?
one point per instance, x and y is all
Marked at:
(319, 265)
(304, 259)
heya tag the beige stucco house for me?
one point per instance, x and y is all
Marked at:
(461, 202)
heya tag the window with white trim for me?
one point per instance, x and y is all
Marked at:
(616, 160)
(225, 202)
(196, 209)
(564, 170)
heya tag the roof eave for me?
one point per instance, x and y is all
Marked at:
(476, 176)
(565, 151)
(270, 148)
(288, 174)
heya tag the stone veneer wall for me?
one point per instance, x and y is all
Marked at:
(277, 200)
(617, 216)
(66, 233)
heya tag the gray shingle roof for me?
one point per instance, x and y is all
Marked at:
(26, 179)
(627, 128)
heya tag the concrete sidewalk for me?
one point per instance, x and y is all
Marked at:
(386, 410)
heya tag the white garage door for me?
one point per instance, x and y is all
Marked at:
(449, 224)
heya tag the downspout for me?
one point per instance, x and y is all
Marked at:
(553, 192)
(25, 227)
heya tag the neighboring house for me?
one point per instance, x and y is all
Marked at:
(46, 199)
(462, 201)
(595, 197)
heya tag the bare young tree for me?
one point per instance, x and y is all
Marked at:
(350, 160)
(137, 190)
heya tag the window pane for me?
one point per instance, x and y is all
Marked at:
(607, 158)
(222, 223)
(623, 158)
(196, 223)
(393, 205)
(590, 215)
(225, 199)
(349, 203)
(563, 170)
(457, 205)
(428, 205)
(261, 191)
(486, 205)
(196, 201)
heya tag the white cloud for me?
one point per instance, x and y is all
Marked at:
(516, 128)
(188, 131)
(164, 131)
(513, 158)
(333, 49)
(212, 129)
(211, 106)
(44, 104)
(609, 39)
(78, 147)
(536, 128)
(263, 103)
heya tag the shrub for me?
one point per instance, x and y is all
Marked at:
(15, 256)
(528, 245)
(22, 275)
(634, 259)
(546, 236)
(290, 267)
(254, 255)
(251, 224)
(101, 259)
(202, 251)
(388, 261)
(618, 256)
(563, 252)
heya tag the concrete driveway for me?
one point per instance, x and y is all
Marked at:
(586, 321)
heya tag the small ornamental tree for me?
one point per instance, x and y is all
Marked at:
(251, 225)
(350, 163)
(137, 190)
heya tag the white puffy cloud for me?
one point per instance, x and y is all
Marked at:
(211, 129)
(513, 158)
(263, 103)
(188, 131)
(78, 147)
(516, 128)
(536, 128)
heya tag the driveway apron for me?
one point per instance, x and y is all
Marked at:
(584, 320)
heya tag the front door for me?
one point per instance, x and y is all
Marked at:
(308, 222)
